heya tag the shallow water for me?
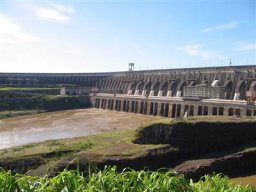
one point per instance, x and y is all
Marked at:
(65, 124)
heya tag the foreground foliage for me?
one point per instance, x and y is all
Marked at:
(110, 180)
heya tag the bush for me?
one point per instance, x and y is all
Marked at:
(110, 180)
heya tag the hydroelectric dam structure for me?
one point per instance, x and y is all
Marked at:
(220, 91)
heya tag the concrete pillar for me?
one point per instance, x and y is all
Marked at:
(218, 111)
(182, 112)
(130, 106)
(114, 104)
(237, 96)
(148, 107)
(139, 107)
(122, 105)
(178, 94)
(209, 110)
(176, 111)
(137, 92)
(94, 102)
(170, 110)
(169, 94)
(160, 93)
(107, 104)
(152, 92)
(195, 110)
(225, 111)
(158, 112)
(100, 103)
(243, 112)
(129, 92)
(63, 91)
(144, 93)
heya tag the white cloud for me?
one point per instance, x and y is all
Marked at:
(51, 15)
(245, 46)
(231, 25)
(64, 8)
(197, 50)
(10, 32)
(56, 13)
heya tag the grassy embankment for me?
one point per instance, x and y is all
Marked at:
(111, 180)
(111, 148)
(27, 89)
(15, 113)
(52, 156)
(16, 101)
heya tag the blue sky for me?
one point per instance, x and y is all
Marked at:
(94, 36)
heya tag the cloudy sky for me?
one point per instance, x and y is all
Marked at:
(93, 36)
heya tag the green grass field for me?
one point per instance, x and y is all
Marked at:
(110, 180)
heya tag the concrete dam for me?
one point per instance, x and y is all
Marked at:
(227, 91)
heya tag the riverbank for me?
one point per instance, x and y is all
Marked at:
(113, 147)
(16, 113)
(36, 98)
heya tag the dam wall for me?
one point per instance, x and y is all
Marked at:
(229, 90)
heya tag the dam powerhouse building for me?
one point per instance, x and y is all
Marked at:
(227, 91)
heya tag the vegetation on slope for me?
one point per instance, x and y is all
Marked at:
(15, 113)
(195, 136)
(110, 148)
(28, 89)
(52, 156)
(45, 102)
(110, 180)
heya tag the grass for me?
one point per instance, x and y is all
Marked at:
(15, 113)
(26, 88)
(112, 145)
(110, 180)
(56, 153)
(108, 143)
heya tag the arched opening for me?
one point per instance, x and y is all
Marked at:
(164, 88)
(180, 88)
(131, 88)
(242, 90)
(252, 90)
(139, 87)
(155, 87)
(228, 90)
(147, 87)
(173, 88)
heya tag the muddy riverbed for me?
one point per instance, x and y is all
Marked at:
(65, 124)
